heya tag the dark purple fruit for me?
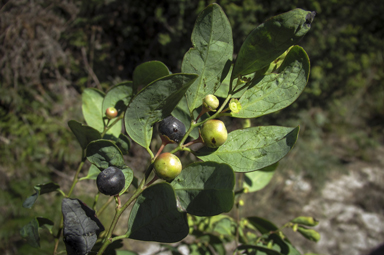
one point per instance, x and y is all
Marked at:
(171, 129)
(110, 181)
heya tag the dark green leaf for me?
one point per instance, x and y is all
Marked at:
(223, 225)
(31, 233)
(148, 72)
(154, 103)
(256, 180)
(84, 134)
(253, 148)
(92, 103)
(44, 222)
(279, 243)
(271, 39)
(122, 142)
(263, 225)
(205, 188)
(277, 91)
(294, 251)
(181, 112)
(104, 153)
(223, 90)
(213, 241)
(155, 217)
(213, 49)
(93, 172)
(128, 174)
(262, 249)
(40, 189)
(81, 226)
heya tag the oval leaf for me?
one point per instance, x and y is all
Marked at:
(205, 188)
(256, 180)
(154, 103)
(128, 174)
(93, 172)
(80, 228)
(84, 134)
(251, 149)
(277, 91)
(213, 50)
(104, 153)
(92, 103)
(148, 72)
(40, 190)
(154, 217)
(264, 226)
(269, 40)
(31, 233)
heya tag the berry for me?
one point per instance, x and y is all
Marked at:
(171, 130)
(110, 181)
(167, 166)
(213, 133)
(111, 112)
(210, 102)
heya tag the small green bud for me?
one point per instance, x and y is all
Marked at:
(308, 233)
(306, 221)
(234, 106)
(241, 202)
(210, 102)
(111, 112)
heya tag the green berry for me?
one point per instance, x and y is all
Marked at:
(111, 112)
(210, 102)
(110, 181)
(171, 129)
(167, 166)
(214, 133)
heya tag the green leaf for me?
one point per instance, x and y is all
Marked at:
(84, 134)
(122, 142)
(104, 153)
(40, 190)
(264, 226)
(154, 216)
(205, 188)
(119, 97)
(128, 174)
(223, 90)
(148, 72)
(93, 172)
(154, 103)
(181, 112)
(306, 221)
(262, 249)
(309, 233)
(269, 40)
(92, 102)
(211, 56)
(277, 91)
(256, 180)
(251, 149)
(223, 225)
(31, 233)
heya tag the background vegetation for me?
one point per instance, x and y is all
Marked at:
(51, 50)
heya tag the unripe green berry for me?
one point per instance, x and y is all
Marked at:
(167, 166)
(214, 133)
(210, 102)
(111, 112)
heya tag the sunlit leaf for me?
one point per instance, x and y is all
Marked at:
(92, 103)
(257, 180)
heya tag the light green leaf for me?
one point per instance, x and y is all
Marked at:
(128, 174)
(154, 216)
(92, 103)
(211, 56)
(154, 103)
(84, 134)
(257, 180)
(277, 91)
(269, 40)
(104, 153)
(205, 188)
(148, 72)
(93, 172)
(251, 149)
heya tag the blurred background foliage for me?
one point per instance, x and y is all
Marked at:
(51, 50)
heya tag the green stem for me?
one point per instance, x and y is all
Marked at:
(95, 201)
(105, 205)
(108, 127)
(62, 192)
(118, 213)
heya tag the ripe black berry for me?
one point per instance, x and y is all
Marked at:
(171, 129)
(110, 181)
